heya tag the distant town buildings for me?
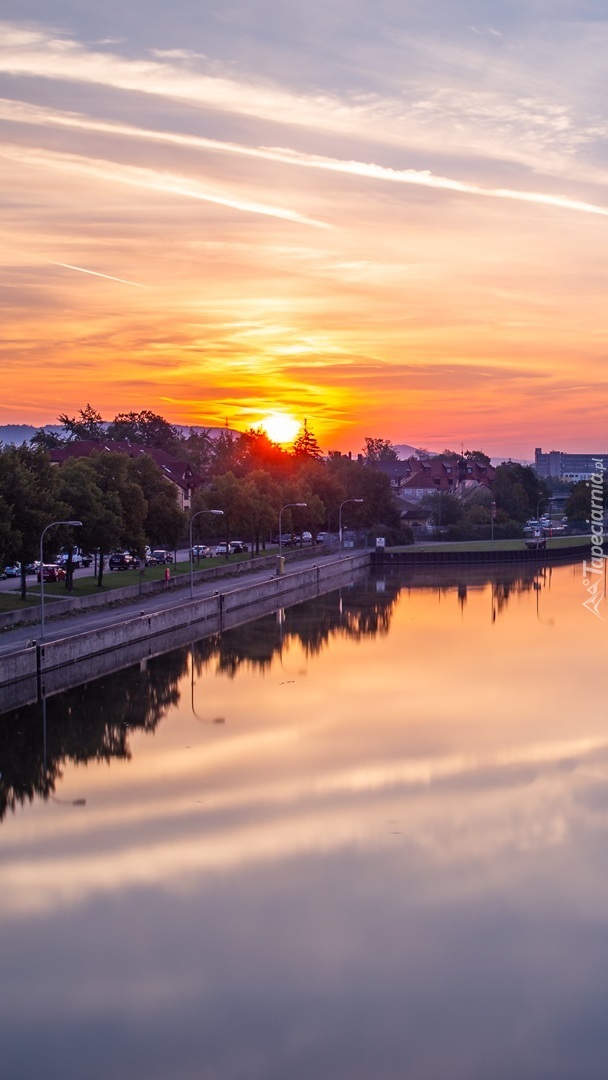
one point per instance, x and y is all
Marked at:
(417, 477)
(569, 467)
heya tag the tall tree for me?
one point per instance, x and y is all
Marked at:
(89, 426)
(305, 444)
(164, 522)
(100, 511)
(379, 450)
(27, 489)
(146, 428)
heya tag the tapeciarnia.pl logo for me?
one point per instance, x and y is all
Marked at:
(594, 571)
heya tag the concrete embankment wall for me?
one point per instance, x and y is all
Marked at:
(60, 663)
(57, 607)
(477, 558)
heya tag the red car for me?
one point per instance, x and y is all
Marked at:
(52, 572)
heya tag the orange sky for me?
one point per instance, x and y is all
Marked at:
(300, 221)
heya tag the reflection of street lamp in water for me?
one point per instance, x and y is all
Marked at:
(64, 802)
(203, 719)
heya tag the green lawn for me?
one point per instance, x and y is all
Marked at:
(11, 601)
(497, 545)
(86, 585)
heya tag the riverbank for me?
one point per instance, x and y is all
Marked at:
(36, 669)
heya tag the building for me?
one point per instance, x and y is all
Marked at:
(446, 475)
(558, 465)
(178, 472)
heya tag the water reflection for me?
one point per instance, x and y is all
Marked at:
(390, 860)
(95, 721)
(91, 723)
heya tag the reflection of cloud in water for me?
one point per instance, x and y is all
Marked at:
(455, 809)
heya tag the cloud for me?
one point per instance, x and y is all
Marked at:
(152, 179)
(367, 170)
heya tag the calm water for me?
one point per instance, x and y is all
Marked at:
(364, 838)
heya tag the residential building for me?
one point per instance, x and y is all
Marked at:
(178, 472)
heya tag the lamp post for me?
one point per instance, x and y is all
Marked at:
(280, 519)
(340, 522)
(42, 535)
(198, 513)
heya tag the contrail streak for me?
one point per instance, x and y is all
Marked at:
(95, 273)
(369, 170)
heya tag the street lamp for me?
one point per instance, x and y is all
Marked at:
(280, 517)
(198, 513)
(340, 522)
(42, 535)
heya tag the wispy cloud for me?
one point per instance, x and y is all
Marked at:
(23, 113)
(152, 179)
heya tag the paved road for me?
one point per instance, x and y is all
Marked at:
(11, 640)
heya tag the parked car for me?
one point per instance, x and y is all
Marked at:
(160, 556)
(222, 549)
(236, 546)
(32, 567)
(14, 570)
(52, 572)
(123, 560)
(201, 551)
(306, 537)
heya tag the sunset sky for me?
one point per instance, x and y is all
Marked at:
(388, 217)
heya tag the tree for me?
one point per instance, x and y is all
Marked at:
(122, 503)
(82, 490)
(305, 444)
(47, 440)
(225, 453)
(198, 447)
(379, 450)
(517, 490)
(359, 481)
(446, 509)
(147, 429)
(90, 425)
(265, 496)
(578, 504)
(477, 455)
(27, 490)
(235, 498)
(164, 522)
(257, 451)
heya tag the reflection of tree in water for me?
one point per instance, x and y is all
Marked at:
(357, 611)
(91, 722)
(506, 582)
(504, 590)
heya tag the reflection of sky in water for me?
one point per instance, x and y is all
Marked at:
(388, 861)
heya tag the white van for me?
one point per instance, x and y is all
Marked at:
(79, 558)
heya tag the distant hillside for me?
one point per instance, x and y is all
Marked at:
(404, 451)
(16, 434)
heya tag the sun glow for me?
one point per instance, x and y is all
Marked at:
(280, 427)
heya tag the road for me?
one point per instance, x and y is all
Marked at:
(11, 640)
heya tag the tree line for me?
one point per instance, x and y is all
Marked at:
(127, 502)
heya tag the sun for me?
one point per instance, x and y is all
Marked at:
(280, 427)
